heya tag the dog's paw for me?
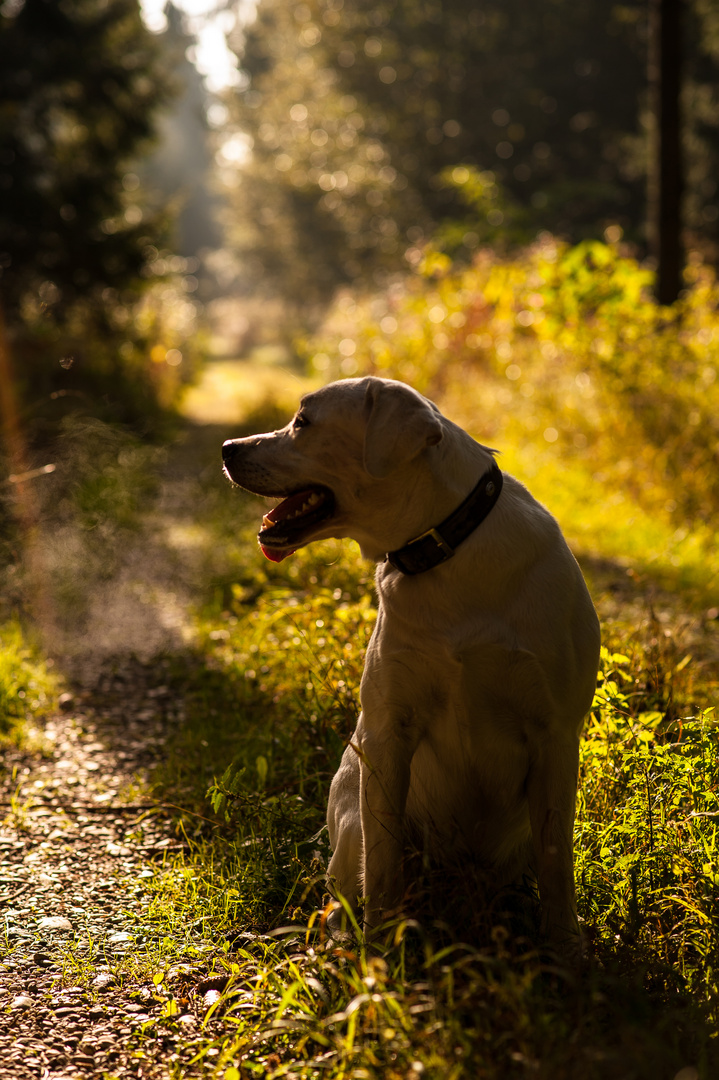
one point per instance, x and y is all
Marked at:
(339, 924)
(564, 951)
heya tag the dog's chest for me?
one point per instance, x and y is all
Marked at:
(437, 693)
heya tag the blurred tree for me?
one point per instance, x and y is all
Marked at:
(360, 110)
(356, 110)
(666, 170)
(79, 83)
(301, 218)
(179, 167)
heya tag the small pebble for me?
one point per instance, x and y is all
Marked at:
(55, 922)
(119, 936)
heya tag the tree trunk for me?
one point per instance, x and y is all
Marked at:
(666, 166)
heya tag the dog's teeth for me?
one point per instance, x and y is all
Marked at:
(309, 503)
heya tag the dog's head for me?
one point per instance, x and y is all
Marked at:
(347, 464)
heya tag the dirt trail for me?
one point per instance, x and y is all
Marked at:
(74, 854)
(73, 851)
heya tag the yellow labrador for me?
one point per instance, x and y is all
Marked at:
(484, 658)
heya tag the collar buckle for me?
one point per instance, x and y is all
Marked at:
(433, 547)
(433, 534)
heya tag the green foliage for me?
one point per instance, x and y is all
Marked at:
(79, 84)
(491, 217)
(278, 707)
(290, 691)
(356, 111)
(561, 342)
(27, 686)
(81, 247)
(130, 368)
(646, 834)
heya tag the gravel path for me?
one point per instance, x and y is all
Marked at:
(73, 856)
(78, 846)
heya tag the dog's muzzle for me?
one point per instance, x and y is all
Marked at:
(229, 449)
(230, 458)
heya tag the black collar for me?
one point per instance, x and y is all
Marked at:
(439, 544)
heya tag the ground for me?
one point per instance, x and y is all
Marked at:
(74, 855)
(89, 986)
(79, 836)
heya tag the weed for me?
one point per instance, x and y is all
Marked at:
(27, 685)
(279, 701)
(270, 699)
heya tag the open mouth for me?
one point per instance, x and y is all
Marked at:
(288, 525)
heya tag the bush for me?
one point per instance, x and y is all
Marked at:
(560, 342)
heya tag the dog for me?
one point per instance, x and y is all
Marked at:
(483, 661)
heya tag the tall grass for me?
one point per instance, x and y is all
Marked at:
(607, 406)
(28, 686)
(559, 348)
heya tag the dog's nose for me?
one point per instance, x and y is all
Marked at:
(229, 449)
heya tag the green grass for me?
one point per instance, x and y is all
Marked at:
(270, 694)
(602, 519)
(271, 701)
(28, 685)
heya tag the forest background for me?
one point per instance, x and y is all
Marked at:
(456, 195)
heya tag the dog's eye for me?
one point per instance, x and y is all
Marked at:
(301, 421)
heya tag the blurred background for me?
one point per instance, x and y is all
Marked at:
(208, 205)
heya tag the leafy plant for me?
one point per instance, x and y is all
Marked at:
(563, 347)
(27, 684)
(267, 699)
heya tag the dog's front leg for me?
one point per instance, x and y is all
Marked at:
(552, 792)
(344, 873)
(384, 782)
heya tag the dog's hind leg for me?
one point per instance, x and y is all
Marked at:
(384, 784)
(551, 790)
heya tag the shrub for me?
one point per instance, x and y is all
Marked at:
(561, 343)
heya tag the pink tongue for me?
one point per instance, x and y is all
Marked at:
(288, 506)
(274, 555)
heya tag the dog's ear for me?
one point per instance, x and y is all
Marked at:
(400, 424)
